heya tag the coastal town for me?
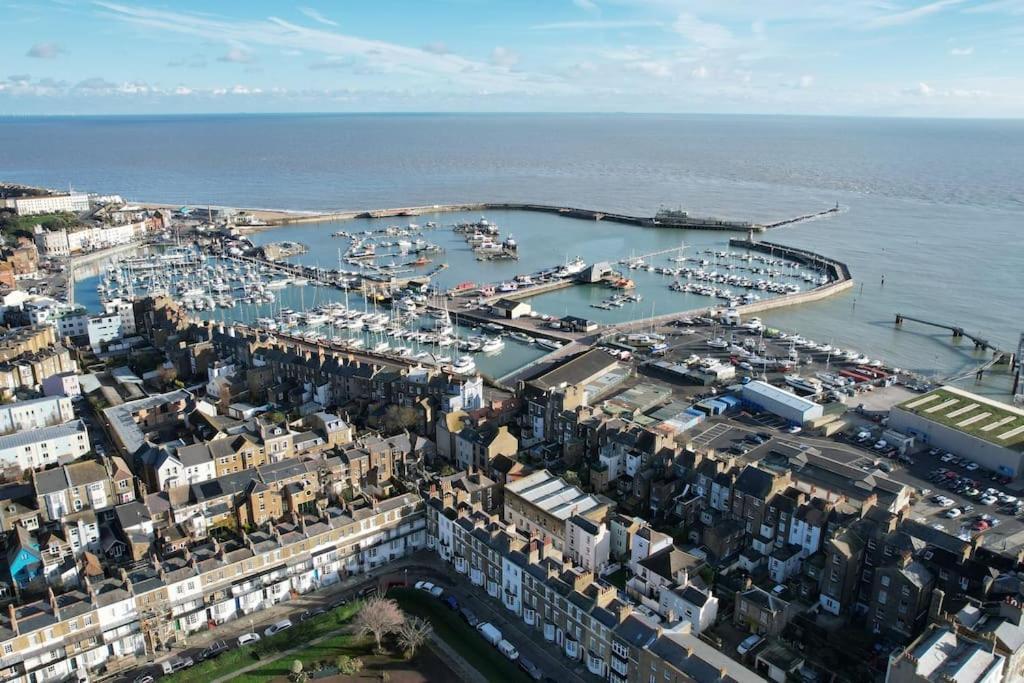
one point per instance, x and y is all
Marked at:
(691, 496)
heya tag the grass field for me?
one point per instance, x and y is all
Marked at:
(458, 635)
(239, 657)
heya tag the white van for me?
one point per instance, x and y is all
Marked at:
(508, 649)
(491, 634)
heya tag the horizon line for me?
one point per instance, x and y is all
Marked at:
(508, 113)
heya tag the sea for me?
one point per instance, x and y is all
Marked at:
(930, 221)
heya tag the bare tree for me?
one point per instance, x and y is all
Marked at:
(413, 634)
(380, 617)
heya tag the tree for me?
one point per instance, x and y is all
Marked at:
(379, 616)
(348, 665)
(413, 634)
(571, 477)
(297, 674)
(397, 418)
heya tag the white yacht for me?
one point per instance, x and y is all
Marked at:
(463, 365)
(718, 343)
(809, 385)
(549, 344)
(492, 345)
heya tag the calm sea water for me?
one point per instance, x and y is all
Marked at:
(935, 207)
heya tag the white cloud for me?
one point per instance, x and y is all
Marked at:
(45, 51)
(182, 90)
(703, 33)
(925, 90)
(317, 17)
(587, 5)
(237, 55)
(700, 72)
(596, 24)
(504, 57)
(962, 51)
(806, 81)
(436, 48)
(911, 15)
(448, 70)
(657, 69)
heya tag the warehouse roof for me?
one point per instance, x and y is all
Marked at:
(977, 416)
(757, 388)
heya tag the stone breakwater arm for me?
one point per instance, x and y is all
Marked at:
(567, 211)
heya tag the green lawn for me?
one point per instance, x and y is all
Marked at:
(237, 658)
(10, 223)
(458, 635)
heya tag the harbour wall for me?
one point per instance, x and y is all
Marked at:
(568, 211)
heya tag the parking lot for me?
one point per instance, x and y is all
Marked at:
(996, 519)
(986, 504)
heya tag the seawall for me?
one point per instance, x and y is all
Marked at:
(567, 211)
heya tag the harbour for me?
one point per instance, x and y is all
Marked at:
(416, 313)
(376, 302)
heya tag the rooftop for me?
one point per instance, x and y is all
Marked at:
(980, 417)
(553, 495)
(27, 438)
(582, 368)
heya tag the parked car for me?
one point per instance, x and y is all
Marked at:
(436, 591)
(274, 629)
(214, 650)
(749, 643)
(144, 678)
(953, 513)
(177, 664)
(248, 639)
(469, 617)
(310, 613)
(529, 668)
(424, 586)
(451, 603)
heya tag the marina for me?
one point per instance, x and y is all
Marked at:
(384, 298)
(381, 295)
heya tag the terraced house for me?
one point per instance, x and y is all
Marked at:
(569, 606)
(111, 622)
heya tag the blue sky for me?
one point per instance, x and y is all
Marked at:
(861, 57)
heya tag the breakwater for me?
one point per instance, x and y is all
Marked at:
(567, 211)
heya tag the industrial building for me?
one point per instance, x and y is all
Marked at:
(780, 402)
(988, 432)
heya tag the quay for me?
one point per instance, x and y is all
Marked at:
(531, 326)
(693, 223)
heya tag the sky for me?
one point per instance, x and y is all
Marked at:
(950, 58)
